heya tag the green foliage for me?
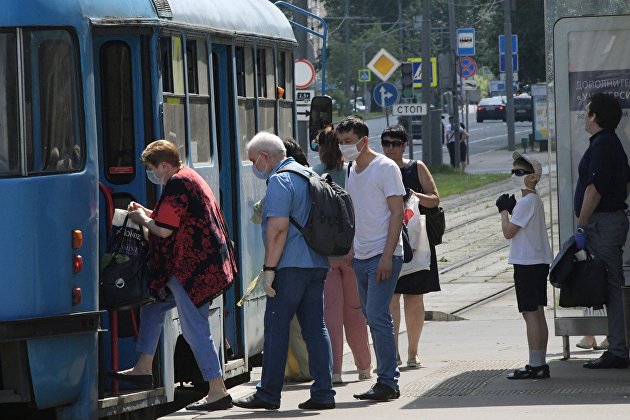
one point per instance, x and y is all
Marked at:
(373, 24)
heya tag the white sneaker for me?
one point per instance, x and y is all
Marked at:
(587, 342)
(336, 378)
(365, 374)
(602, 346)
(413, 362)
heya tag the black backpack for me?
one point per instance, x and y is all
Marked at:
(329, 229)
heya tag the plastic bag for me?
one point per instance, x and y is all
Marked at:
(418, 239)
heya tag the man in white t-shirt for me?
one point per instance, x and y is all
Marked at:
(531, 255)
(375, 185)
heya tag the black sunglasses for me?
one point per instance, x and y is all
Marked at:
(521, 172)
(387, 143)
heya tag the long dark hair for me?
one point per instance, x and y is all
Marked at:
(329, 152)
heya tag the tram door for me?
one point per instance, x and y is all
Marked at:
(223, 94)
(123, 124)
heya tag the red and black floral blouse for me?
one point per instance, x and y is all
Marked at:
(197, 253)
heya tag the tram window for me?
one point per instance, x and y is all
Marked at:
(9, 135)
(261, 72)
(174, 113)
(246, 98)
(54, 115)
(285, 103)
(199, 100)
(117, 104)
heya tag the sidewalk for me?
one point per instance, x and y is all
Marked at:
(464, 362)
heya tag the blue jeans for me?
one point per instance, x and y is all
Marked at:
(195, 328)
(375, 299)
(298, 291)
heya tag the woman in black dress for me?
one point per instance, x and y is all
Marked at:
(419, 181)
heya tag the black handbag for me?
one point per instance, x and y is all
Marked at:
(587, 285)
(562, 265)
(123, 281)
(436, 224)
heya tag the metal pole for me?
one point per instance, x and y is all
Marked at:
(451, 25)
(365, 101)
(427, 74)
(508, 74)
(302, 52)
(467, 128)
(401, 29)
(346, 63)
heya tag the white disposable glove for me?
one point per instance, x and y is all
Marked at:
(268, 277)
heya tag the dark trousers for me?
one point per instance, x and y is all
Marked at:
(451, 152)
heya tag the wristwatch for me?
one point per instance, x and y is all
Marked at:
(265, 268)
(579, 231)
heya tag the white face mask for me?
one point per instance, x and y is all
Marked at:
(349, 151)
(518, 182)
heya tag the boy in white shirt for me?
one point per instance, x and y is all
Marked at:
(531, 255)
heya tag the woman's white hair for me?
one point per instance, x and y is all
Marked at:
(267, 142)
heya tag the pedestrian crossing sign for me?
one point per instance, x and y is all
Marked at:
(365, 75)
(417, 72)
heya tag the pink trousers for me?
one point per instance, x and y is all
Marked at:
(343, 309)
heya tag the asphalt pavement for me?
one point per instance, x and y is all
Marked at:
(476, 337)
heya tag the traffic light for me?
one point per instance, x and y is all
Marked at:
(406, 80)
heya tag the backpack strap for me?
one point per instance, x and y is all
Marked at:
(306, 176)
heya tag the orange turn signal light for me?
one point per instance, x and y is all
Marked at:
(77, 239)
(77, 264)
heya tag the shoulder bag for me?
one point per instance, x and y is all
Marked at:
(123, 281)
(587, 284)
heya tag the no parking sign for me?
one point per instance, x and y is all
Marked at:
(467, 67)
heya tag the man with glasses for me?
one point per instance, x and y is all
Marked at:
(376, 187)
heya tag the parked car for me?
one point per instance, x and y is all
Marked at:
(358, 105)
(416, 125)
(523, 109)
(491, 109)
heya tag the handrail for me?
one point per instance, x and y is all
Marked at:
(312, 32)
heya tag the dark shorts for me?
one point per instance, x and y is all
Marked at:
(530, 282)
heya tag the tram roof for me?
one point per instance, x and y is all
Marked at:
(230, 17)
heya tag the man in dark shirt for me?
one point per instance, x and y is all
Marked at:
(602, 225)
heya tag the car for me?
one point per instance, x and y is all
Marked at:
(523, 109)
(492, 108)
(358, 105)
(416, 125)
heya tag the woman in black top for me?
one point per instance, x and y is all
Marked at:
(419, 181)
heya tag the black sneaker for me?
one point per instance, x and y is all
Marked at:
(530, 372)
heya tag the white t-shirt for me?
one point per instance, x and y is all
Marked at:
(530, 245)
(369, 191)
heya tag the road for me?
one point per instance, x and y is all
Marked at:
(484, 137)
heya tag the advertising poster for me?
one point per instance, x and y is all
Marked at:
(597, 62)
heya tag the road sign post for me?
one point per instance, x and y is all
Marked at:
(386, 95)
(303, 103)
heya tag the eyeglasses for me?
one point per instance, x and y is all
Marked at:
(521, 172)
(387, 143)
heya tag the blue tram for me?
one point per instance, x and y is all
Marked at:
(84, 85)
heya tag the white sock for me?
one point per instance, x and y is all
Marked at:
(537, 357)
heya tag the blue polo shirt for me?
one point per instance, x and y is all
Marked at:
(605, 165)
(288, 196)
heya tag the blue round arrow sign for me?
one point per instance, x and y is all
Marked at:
(385, 94)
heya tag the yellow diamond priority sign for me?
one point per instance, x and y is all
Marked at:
(383, 64)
